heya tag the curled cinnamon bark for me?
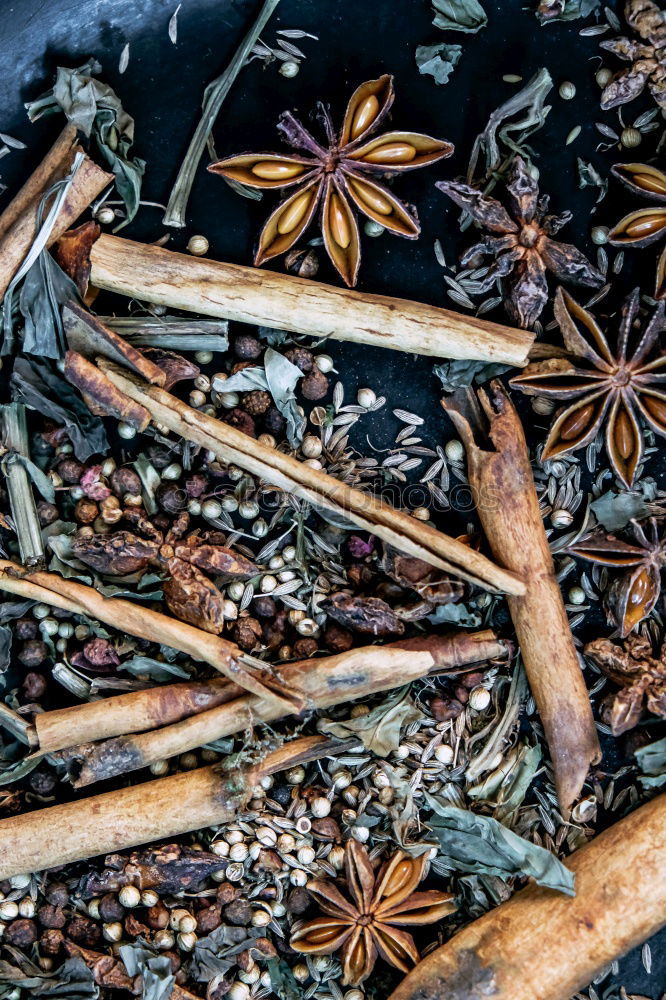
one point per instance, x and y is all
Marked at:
(500, 477)
(18, 223)
(546, 945)
(143, 813)
(332, 680)
(49, 588)
(231, 291)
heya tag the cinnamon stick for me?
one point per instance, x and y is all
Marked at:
(100, 393)
(396, 528)
(500, 477)
(266, 298)
(325, 682)
(18, 223)
(144, 623)
(541, 944)
(143, 813)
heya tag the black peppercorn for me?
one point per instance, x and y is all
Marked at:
(241, 420)
(274, 422)
(70, 471)
(57, 893)
(33, 686)
(47, 513)
(315, 385)
(42, 783)
(247, 348)
(20, 933)
(110, 908)
(171, 498)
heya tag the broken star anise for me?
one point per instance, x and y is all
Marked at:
(633, 595)
(521, 241)
(646, 54)
(364, 926)
(645, 225)
(336, 176)
(189, 594)
(614, 388)
(641, 676)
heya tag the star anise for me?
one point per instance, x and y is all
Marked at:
(609, 387)
(336, 176)
(645, 225)
(646, 54)
(364, 926)
(188, 593)
(522, 243)
(641, 676)
(633, 595)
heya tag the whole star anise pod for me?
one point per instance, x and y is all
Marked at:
(188, 593)
(364, 926)
(336, 176)
(633, 595)
(646, 54)
(641, 676)
(645, 225)
(522, 243)
(611, 387)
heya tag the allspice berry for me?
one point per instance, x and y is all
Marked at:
(241, 420)
(301, 357)
(239, 913)
(51, 941)
(124, 481)
(304, 262)
(33, 686)
(70, 471)
(264, 607)
(314, 385)
(21, 933)
(171, 498)
(51, 916)
(274, 422)
(25, 628)
(86, 511)
(110, 908)
(305, 648)
(444, 709)
(208, 919)
(32, 653)
(246, 633)
(47, 513)
(337, 638)
(57, 893)
(247, 348)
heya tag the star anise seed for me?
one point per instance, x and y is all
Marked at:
(522, 243)
(645, 225)
(337, 177)
(611, 388)
(364, 926)
(633, 595)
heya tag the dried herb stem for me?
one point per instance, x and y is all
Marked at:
(214, 97)
(318, 488)
(21, 497)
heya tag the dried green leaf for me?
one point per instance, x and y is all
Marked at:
(283, 983)
(379, 730)
(480, 845)
(458, 614)
(565, 10)
(5, 647)
(156, 670)
(72, 981)
(459, 15)
(438, 61)
(458, 374)
(277, 376)
(155, 969)
(615, 510)
(652, 762)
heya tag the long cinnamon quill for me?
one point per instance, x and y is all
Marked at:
(266, 298)
(500, 476)
(142, 813)
(541, 945)
(396, 528)
(331, 680)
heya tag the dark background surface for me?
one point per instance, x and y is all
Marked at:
(162, 89)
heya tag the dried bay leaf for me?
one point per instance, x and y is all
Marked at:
(277, 376)
(458, 374)
(438, 61)
(379, 730)
(480, 845)
(459, 15)
(614, 511)
(652, 762)
(155, 969)
(5, 647)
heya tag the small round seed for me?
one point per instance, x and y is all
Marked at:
(320, 807)
(105, 216)
(324, 363)
(479, 699)
(561, 518)
(289, 69)
(630, 137)
(211, 508)
(129, 896)
(197, 246)
(454, 450)
(576, 595)
(603, 76)
(203, 357)
(444, 753)
(366, 398)
(126, 431)
(567, 90)
(599, 235)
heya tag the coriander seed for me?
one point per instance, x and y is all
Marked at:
(198, 246)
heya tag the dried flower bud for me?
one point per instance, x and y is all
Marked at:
(257, 402)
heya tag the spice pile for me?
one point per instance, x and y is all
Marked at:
(314, 676)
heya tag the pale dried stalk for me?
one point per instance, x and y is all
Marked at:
(398, 529)
(265, 298)
(143, 813)
(225, 656)
(14, 433)
(544, 944)
(500, 475)
(325, 682)
(88, 182)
